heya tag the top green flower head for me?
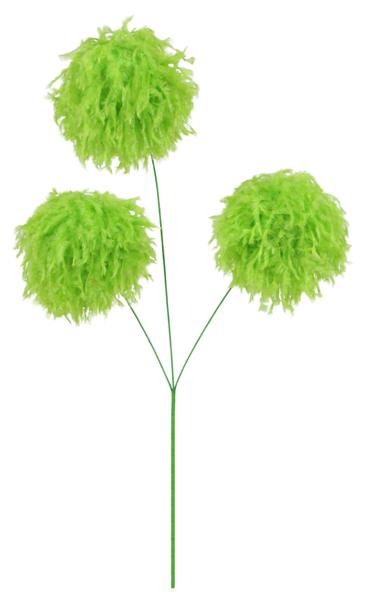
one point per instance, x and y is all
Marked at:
(279, 235)
(124, 96)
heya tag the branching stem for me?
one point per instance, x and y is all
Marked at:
(165, 274)
(201, 334)
(150, 342)
(171, 380)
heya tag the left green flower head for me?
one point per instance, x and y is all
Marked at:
(83, 251)
(124, 97)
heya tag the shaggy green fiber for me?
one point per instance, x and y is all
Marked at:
(124, 95)
(82, 250)
(279, 235)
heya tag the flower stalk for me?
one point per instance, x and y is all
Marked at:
(173, 384)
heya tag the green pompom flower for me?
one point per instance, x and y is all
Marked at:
(279, 235)
(124, 95)
(84, 250)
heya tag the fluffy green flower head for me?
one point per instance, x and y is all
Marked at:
(124, 96)
(82, 251)
(279, 235)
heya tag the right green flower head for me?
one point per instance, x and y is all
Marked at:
(279, 236)
(124, 97)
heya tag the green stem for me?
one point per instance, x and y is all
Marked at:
(201, 334)
(173, 391)
(165, 274)
(172, 384)
(149, 341)
(173, 402)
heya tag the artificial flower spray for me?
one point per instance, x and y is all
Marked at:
(124, 100)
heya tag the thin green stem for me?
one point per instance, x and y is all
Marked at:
(149, 341)
(165, 274)
(172, 386)
(200, 336)
(173, 402)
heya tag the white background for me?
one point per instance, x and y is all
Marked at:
(272, 417)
